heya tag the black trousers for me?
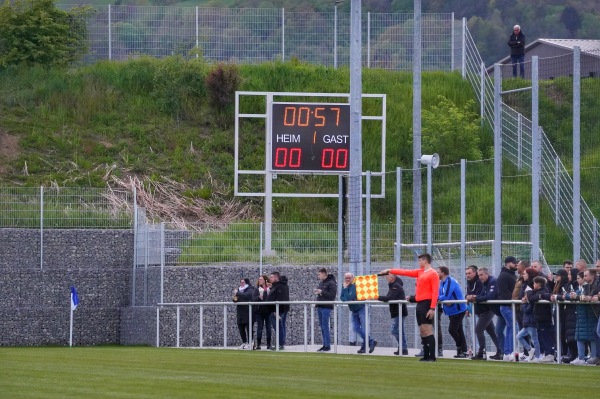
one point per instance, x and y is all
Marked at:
(485, 323)
(456, 331)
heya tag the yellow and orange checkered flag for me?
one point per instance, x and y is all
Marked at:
(367, 287)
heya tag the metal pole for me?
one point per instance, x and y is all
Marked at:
(225, 327)
(452, 43)
(135, 244)
(368, 40)
(576, 153)
(557, 191)
(340, 241)
(497, 247)
(158, 327)
(368, 224)
(463, 217)
(536, 159)
(429, 213)
(464, 47)
(355, 181)
(260, 249)
(268, 181)
(109, 35)
(162, 261)
(201, 326)
(417, 190)
(398, 216)
(520, 141)
(283, 34)
(177, 338)
(482, 93)
(595, 239)
(305, 327)
(335, 37)
(41, 227)
(197, 34)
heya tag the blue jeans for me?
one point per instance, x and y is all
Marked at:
(532, 332)
(358, 325)
(324, 316)
(504, 329)
(282, 327)
(396, 330)
(520, 59)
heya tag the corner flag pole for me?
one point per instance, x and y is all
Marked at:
(74, 303)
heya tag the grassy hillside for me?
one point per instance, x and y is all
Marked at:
(154, 120)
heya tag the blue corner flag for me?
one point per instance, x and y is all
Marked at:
(74, 298)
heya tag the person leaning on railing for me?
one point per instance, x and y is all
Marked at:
(585, 330)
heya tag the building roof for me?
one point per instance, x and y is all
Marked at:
(588, 46)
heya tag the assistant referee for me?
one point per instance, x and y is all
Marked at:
(426, 296)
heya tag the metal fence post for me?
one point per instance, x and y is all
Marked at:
(282, 34)
(41, 227)
(398, 249)
(482, 76)
(335, 36)
(463, 217)
(135, 244)
(452, 42)
(497, 250)
(557, 191)
(368, 223)
(109, 34)
(368, 40)
(536, 159)
(158, 326)
(162, 261)
(197, 34)
(576, 153)
(464, 48)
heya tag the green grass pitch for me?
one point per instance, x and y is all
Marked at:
(144, 372)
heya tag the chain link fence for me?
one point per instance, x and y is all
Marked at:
(253, 35)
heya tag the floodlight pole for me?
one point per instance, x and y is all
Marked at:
(432, 162)
(355, 181)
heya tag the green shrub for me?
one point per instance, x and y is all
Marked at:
(34, 32)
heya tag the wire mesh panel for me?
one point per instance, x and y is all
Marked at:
(310, 37)
(65, 207)
(21, 207)
(154, 31)
(240, 35)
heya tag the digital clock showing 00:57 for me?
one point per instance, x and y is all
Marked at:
(310, 137)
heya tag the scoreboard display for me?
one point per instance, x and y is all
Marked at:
(310, 138)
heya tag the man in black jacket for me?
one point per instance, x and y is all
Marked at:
(504, 331)
(485, 291)
(279, 292)
(396, 292)
(326, 291)
(516, 42)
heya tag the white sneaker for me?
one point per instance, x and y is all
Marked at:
(592, 361)
(508, 358)
(243, 346)
(531, 354)
(536, 360)
(547, 359)
(578, 362)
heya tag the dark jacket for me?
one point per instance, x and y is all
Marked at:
(527, 308)
(489, 291)
(328, 289)
(450, 291)
(395, 293)
(506, 284)
(474, 288)
(517, 44)
(243, 317)
(262, 309)
(568, 316)
(279, 292)
(349, 294)
(585, 329)
(542, 312)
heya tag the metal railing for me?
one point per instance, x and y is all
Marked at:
(336, 324)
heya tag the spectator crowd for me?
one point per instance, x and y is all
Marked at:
(543, 305)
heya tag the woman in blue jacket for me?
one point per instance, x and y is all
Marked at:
(450, 291)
